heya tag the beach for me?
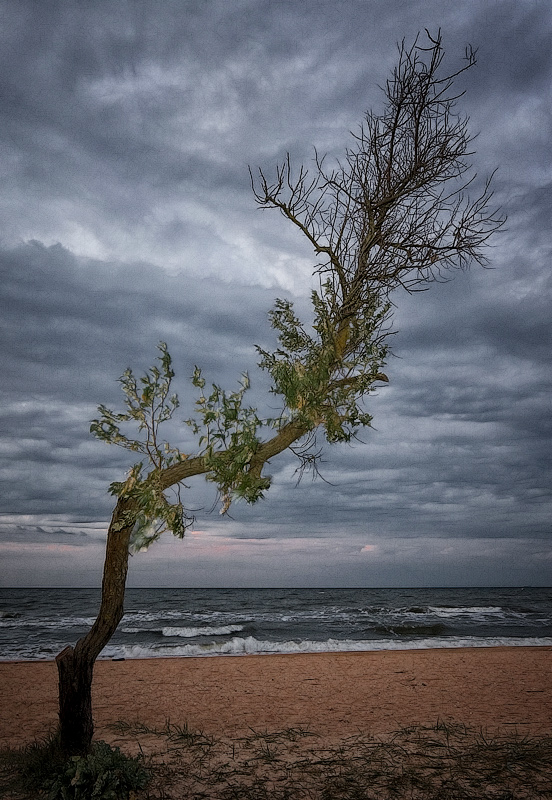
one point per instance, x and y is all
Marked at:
(335, 695)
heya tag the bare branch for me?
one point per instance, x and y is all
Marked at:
(395, 212)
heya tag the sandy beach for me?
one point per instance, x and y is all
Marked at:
(335, 694)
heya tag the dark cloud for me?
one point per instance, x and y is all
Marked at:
(126, 130)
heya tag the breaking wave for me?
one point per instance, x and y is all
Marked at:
(189, 633)
(238, 646)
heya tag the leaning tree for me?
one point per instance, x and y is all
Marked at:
(394, 212)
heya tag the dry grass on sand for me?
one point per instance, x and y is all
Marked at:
(444, 761)
(447, 761)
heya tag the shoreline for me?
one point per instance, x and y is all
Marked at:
(293, 654)
(336, 695)
(492, 643)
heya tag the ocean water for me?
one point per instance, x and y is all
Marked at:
(38, 623)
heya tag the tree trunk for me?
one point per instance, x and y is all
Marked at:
(76, 726)
(76, 665)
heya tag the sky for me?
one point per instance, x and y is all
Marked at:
(127, 218)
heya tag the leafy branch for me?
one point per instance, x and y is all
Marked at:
(324, 378)
(228, 440)
(149, 404)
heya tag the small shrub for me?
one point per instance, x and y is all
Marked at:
(41, 770)
(103, 774)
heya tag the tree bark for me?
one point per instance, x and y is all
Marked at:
(76, 665)
(76, 726)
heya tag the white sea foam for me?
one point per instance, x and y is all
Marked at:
(481, 611)
(155, 616)
(251, 646)
(49, 624)
(189, 633)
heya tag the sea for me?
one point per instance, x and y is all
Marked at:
(36, 624)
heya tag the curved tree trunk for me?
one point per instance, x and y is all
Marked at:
(76, 665)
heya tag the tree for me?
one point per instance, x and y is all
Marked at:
(394, 213)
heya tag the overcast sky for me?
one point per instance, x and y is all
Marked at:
(126, 133)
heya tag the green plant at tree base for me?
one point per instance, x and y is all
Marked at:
(42, 770)
(103, 774)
